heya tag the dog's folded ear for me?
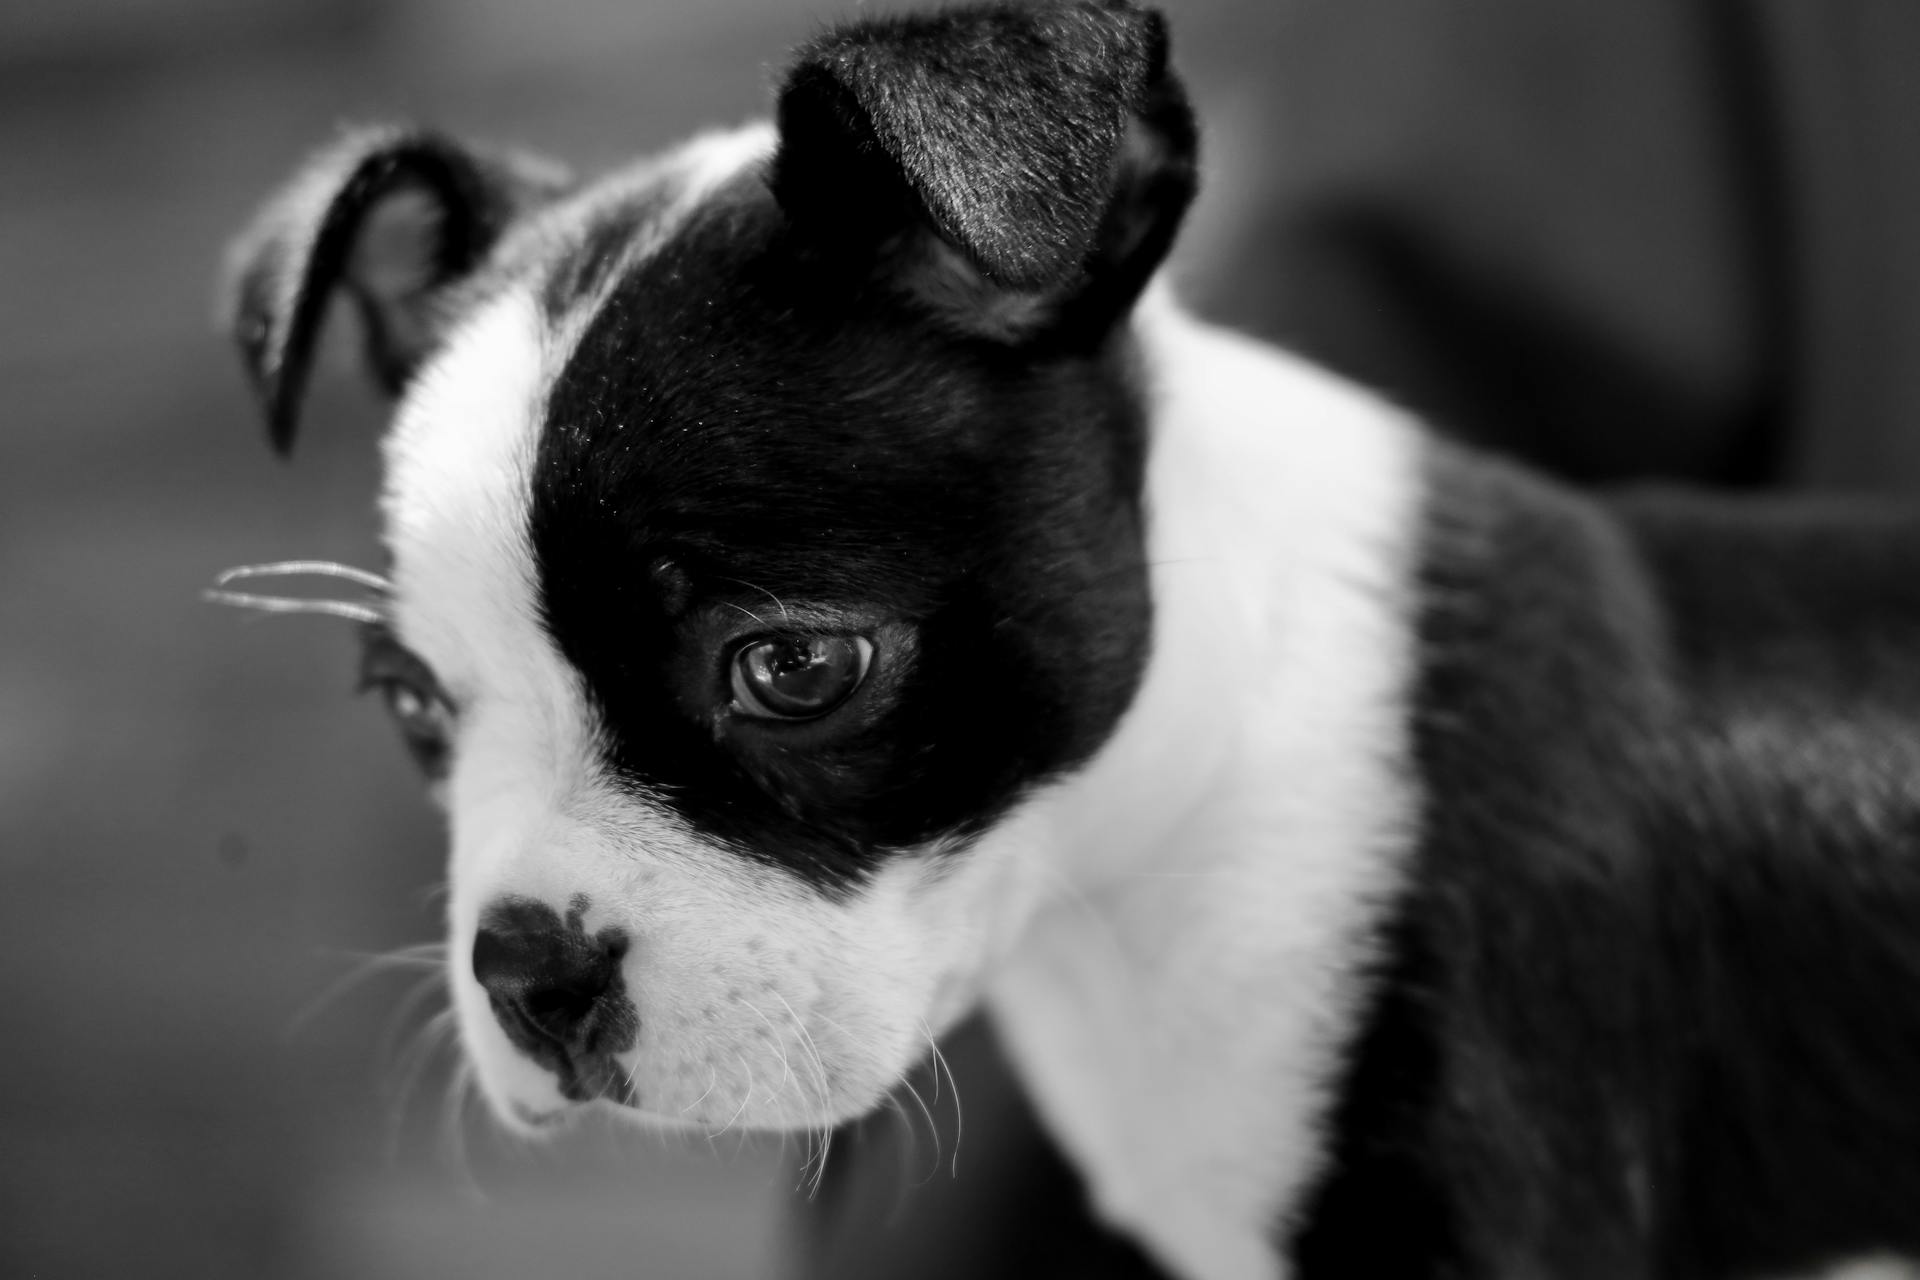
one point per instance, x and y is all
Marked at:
(391, 217)
(1028, 162)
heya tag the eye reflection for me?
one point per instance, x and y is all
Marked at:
(798, 677)
(413, 696)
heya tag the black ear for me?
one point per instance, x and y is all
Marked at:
(393, 216)
(1048, 144)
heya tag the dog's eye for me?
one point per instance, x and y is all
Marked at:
(413, 697)
(798, 677)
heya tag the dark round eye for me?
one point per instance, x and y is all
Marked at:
(413, 697)
(798, 677)
(419, 713)
(425, 722)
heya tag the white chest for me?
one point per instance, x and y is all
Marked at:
(1180, 1007)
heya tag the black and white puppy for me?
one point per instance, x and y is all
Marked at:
(833, 586)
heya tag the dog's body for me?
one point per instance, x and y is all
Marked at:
(1565, 889)
(827, 600)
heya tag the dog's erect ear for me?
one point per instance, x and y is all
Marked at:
(1047, 147)
(390, 216)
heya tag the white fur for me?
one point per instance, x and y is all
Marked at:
(1179, 1007)
(690, 172)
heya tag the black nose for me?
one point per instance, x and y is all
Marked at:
(557, 992)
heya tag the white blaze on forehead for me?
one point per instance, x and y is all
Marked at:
(688, 175)
(461, 453)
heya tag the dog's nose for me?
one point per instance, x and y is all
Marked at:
(546, 977)
(557, 992)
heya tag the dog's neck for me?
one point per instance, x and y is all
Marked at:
(1229, 848)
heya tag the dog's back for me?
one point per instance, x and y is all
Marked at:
(1650, 1006)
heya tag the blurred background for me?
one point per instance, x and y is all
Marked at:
(1649, 238)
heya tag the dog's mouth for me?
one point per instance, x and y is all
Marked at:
(603, 1089)
(544, 1119)
(598, 1080)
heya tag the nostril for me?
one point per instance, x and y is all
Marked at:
(498, 959)
(558, 1011)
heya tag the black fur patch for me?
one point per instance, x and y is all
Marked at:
(799, 446)
(299, 253)
(1002, 123)
(1022, 169)
(1652, 1005)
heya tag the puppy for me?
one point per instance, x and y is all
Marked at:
(833, 585)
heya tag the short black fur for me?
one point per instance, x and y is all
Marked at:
(1002, 125)
(1652, 1006)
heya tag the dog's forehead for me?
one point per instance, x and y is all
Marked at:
(571, 254)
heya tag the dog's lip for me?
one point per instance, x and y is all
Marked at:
(539, 1117)
(617, 1092)
(551, 1119)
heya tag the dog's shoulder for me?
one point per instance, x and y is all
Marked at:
(1666, 751)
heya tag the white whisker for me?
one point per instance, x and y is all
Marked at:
(408, 1006)
(460, 1089)
(414, 1060)
(898, 1109)
(745, 1099)
(953, 1086)
(713, 1078)
(817, 1159)
(293, 604)
(778, 602)
(750, 613)
(367, 966)
(304, 568)
(933, 1129)
(779, 1044)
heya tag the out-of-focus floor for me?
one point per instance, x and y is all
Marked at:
(200, 831)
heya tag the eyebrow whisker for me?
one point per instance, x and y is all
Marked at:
(298, 568)
(351, 610)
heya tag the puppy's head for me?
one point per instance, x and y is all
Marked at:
(766, 532)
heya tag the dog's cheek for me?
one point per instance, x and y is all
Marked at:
(866, 984)
(764, 1004)
(927, 931)
(759, 1002)
(976, 899)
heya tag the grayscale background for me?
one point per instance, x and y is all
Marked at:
(1670, 237)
